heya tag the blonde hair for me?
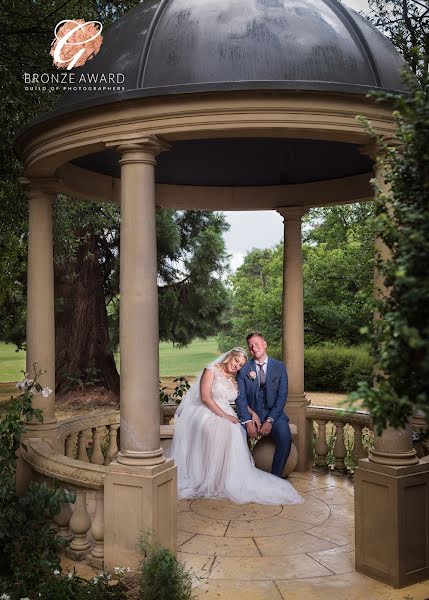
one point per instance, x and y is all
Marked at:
(235, 352)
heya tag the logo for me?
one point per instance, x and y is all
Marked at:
(76, 41)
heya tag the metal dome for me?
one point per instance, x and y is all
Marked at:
(178, 46)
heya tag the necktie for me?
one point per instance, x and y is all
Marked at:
(261, 374)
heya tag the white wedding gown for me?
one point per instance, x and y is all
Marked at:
(212, 456)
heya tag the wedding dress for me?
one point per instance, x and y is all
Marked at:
(211, 453)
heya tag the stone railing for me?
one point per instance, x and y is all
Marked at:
(86, 445)
(341, 437)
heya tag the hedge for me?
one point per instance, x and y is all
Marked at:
(334, 369)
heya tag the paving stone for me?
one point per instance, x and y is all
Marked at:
(183, 536)
(349, 586)
(332, 495)
(337, 559)
(238, 590)
(336, 530)
(227, 510)
(267, 568)
(220, 546)
(193, 523)
(314, 510)
(266, 527)
(292, 543)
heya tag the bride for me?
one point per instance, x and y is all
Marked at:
(210, 446)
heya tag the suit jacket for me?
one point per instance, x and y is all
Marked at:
(276, 385)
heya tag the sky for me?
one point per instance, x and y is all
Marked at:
(260, 229)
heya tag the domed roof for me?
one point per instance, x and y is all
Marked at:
(179, 46)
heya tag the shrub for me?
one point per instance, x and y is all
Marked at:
(336, 369)
(163, 577)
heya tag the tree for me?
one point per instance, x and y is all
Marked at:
(401, 334)
(337, 268)
(191, 253)
(406, 23)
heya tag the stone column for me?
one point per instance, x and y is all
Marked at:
(391, 491)
(293, 332)
(140, 485)
(40, 338)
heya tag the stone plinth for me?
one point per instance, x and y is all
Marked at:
(138, 501)
(392, 522)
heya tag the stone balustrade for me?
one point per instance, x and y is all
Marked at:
(341, 437)
(86, 446)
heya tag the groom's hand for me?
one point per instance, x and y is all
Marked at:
(251, 429)
(266, 428)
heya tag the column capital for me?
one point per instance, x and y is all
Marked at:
(36, 185)
(143, 149)
(292, 213)
(376, 150)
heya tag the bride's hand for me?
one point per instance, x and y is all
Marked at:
(257, 421)
(232, 419)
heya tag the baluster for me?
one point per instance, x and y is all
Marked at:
(97, 531)
(340, 451)
(112, 450)
(321, 444)
(97, 457)
(80, 523)
(358, 449)
(70, 445)
(62, 520)
(83, 439)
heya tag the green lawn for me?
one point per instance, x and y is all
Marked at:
(11, 363)
(173, 361)
(186, 361)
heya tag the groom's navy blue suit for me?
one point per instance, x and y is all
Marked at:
(267, 401)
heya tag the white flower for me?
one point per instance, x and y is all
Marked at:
(95, 580)
(251, 375)
(5, 596)
(57, 572)
(46, 391)
(24, 598)
(70, 575)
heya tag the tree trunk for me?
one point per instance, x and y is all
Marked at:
(82, 335)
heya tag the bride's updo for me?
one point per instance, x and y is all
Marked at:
(237, 351)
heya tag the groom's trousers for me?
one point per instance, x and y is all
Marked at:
(283, 440)
(280, 433)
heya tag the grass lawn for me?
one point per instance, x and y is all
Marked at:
(173, 361)
(11, 363)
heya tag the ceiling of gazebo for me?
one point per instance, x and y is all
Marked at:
(245, 162)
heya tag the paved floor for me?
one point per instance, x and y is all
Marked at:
(260, 552)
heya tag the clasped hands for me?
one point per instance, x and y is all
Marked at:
(255, 428)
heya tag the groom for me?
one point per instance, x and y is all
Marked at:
(262, 384)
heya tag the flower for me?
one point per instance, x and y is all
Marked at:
(24, 598)
(57, 572)
(5, 597)
(46, 391)
(251, 375)
(70, 575)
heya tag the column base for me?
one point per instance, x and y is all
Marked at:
(392, 522)
(296, 411)
(77, 555)
(138, 501)
(141, 459)
(47, 431)
(96, 563)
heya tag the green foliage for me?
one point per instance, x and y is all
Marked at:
(337, 266)
(336, 369)
(85, 379)
(182, 386)
(163, 577)
(30, 547)
(401, 335)
(406, 23)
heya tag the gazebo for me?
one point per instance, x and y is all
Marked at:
(233, 105)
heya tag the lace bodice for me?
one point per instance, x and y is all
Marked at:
(224, 390)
